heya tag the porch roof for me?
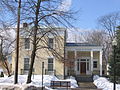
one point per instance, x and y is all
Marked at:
(80, 44)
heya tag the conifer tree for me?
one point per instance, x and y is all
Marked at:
(114, 62)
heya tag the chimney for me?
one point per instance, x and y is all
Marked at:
(25, 25)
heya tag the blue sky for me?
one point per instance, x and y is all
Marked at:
(90, 10)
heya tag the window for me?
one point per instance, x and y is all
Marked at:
(26, 63)
(83, 59)
(27, 43)
(94, 64)
(50, 42)
(78, 66)
(88, 66)
(50, 64)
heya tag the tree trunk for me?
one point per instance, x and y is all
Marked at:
(6, 66)
(33, 55)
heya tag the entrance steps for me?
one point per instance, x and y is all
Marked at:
(84, 78)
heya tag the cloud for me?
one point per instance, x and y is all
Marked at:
(65, 5)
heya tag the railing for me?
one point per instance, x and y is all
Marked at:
(25, 71)
(50, 72)
(55, 84)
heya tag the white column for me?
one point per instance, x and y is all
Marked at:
(75, 54)
(75, 62)
(91, 55)
(66, 58)
(101, 63)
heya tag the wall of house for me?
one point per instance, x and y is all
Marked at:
(96, 57)
(42, 56)
(70, 55)
(83, 54)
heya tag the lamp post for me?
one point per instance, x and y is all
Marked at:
(42, 73)
(114, 43)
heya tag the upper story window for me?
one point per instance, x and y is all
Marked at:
(27, 43)
(26, 63)
(94, 64)
(50, 42)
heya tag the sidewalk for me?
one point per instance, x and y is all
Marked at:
(86, 86)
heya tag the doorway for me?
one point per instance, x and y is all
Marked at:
(83, 68)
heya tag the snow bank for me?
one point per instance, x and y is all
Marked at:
(104, 84)
(73, 82)
(36, 81)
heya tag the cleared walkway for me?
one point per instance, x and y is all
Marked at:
(82, 86)
(86, 86)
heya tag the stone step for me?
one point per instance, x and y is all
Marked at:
(86, 86)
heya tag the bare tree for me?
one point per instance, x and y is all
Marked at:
(109, 23)
(96, 37)
(39, 13)
(49, 14)
(6, 47)
(7, 16)
(100, 38)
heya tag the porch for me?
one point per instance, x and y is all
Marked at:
(83, 61)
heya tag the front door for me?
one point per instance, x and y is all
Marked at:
(83, 67)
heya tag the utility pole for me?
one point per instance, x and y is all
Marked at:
(17, 44)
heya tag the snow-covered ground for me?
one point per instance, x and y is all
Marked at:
(36, 81)
(104, 84)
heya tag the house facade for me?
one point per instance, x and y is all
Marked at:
(60, 58)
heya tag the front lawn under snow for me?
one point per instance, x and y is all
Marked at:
(104, 84)
(36, 81)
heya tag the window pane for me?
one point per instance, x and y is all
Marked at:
(50, 42)
(27, 43)
(50, 60)
(50, 67)
(88, 60)
(78, 66)
(83, 59)
(88, 66)
(26, 63)
(50, 64)
(94, 64)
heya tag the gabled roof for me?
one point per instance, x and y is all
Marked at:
(80, 44)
